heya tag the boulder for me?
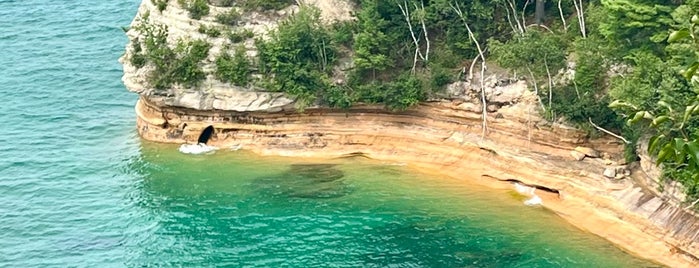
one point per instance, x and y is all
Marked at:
(588, 151)
(609, 172)
(577, 155)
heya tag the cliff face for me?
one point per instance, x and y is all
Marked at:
(213, 94)
(445, 136)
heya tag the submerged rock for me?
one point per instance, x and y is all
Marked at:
(314, 181)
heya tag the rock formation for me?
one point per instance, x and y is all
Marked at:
(443, 135)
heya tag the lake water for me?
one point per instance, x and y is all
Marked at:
(79, 188)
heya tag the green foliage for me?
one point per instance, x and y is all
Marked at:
(196, 8)
(298, 56)
(210, 31)
(673, 115)
(343, 32)
(180, 65)
(240, 36)
(533, 52)
(232, 17)
(538, 54)
(440, 77)
(267, 4)
(234, 69)
(339, 97)
(404, 92)
(634, 23)
(578, 106)
(138, 59)
(371, 51)
(184, 68)
(160, 4)
(223, 3)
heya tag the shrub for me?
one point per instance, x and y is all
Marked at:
(222, 3)
(298, 56)
(160, 4)
(229, 18)
(267, 4)
(338, 97)
(343, 32)
(180, 65)
(210, 31)
(240, 36)
(440, 77)
(196, 8)
(138, 59)
(404, 92)
(234, 69)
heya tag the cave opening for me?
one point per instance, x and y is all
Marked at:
(206, 134)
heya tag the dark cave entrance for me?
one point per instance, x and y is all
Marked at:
(206, 134)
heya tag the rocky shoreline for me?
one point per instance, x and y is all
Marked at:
(441, 137)
(589, 184)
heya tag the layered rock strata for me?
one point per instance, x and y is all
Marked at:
(443, 137)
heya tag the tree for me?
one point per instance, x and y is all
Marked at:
(540, 11)
(535, 53)
(371, 51)
(675, 141)
(297, 57)
(633, 23)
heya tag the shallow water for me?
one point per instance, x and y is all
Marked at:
(79, 188)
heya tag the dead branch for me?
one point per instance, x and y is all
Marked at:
(563, 19)
(458, 11)
(607, 131)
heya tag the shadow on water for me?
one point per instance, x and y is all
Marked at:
(308, 181)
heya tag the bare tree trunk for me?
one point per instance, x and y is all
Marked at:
(473, 64)
(406, 13)
(539, 12)
(536, 89)
(581, 17)
(563, 19)
(457, 9)
(512, 4)
(524, 21)
(417, 51)
(424, 29)
(608, 132)
(548, 73)
(509, 20)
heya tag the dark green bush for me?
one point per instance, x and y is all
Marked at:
(267, 4)
(404, 92)
(343, 32)
(161, 4)
(196, 8)
(297, 58)
(234, 69)
(229, 18)
(210, 31)
(180, 65)
(339, 97)
(222, 3)
(240, 36)
(440, 77)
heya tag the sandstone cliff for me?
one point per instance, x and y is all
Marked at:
(444, 135)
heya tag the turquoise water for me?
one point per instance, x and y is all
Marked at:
(79, 188)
